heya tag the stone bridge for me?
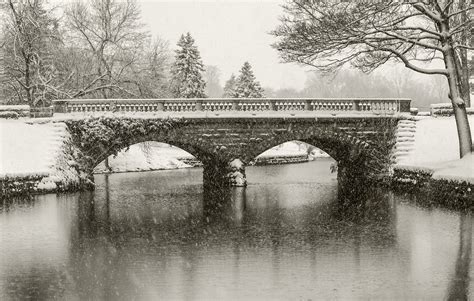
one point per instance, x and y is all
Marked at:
(228, 133)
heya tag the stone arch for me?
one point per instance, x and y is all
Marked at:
(354, 155)
(332, 143)
(95, 139)
(193, 150)
(111, 158)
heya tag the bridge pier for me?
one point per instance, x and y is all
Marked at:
(219, 173)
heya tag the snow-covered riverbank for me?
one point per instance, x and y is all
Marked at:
(144, 157)
(436, 150)
(29, 149)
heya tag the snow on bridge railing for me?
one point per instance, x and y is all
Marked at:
(382, 105)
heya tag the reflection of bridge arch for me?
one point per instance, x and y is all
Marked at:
(362, 146)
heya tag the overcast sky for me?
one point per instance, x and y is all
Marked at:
(227, 33)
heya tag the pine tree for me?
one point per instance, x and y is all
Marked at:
(229, 87)
(246, 85)
(186, 72)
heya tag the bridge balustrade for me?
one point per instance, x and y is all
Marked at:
(380, 105)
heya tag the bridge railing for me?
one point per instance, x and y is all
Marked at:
(380, 105)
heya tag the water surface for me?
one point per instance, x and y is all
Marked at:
(287, 236)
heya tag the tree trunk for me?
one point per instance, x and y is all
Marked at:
(465, 90)
(459, 105)
(463, 59)
(29, 97)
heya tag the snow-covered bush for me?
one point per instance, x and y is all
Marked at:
(9, 114)
(410, 179)
(446, 109)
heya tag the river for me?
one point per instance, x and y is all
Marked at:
(287, 236)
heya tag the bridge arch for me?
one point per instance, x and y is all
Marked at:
(144, 156)
(195, 151)
(95, 139)
(344, 148)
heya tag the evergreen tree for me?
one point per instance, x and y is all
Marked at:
(229, 87)
(246, 85)
(186, 72)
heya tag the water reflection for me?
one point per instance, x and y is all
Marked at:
(146, 237)
(459, 284)
(40, 284)
(224, 205)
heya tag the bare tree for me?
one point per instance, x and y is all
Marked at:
(112, 36)
(3, 80)
(399, 79)
(420, 34)
(149, 76)
(213, 85)
(440, 89)
(30, 32)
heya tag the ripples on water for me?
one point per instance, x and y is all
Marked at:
(157, 235)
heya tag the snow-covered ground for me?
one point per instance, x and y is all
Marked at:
(286, 149)
(436, 148)
(143, 157)
(459, 170)
(29, 149)
(436, 141)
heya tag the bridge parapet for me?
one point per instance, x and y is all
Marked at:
(379, 105)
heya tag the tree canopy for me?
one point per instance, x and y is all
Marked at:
(30, 35)
(431, 37)
(94, 49)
